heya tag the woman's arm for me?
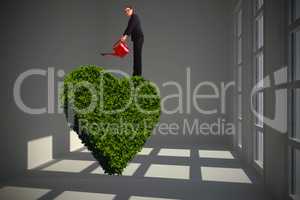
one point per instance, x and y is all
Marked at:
(131, 24)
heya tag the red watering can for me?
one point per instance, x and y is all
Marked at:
(120, 49)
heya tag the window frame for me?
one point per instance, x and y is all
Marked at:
(293, 85)
(238, 72)
(258, 13)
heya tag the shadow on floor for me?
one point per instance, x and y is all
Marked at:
(176, 172)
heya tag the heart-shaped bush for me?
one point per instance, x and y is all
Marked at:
(112, 116)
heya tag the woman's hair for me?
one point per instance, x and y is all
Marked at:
(129, 6)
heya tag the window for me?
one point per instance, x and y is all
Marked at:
(239, 34)
(260, 68)
(260, 108)
(239, 23)
(259, 140)
(296, 9)
(296, 172)
(296, 128)
(240, 135)
(240, 106)
(259, 4)
(239, 61)
(296, 55)
(238, 73)
(259, 31)
(259, 72)
(294, 99)
(258, 57)
(240, 120)
(239, 78)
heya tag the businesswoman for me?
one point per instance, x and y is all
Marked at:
(134, 29)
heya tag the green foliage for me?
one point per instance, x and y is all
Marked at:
(121, 120)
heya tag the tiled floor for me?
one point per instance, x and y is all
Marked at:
(155, 173)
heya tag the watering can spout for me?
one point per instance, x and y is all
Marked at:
(120, 49)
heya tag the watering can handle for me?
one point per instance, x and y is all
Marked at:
(119, 41)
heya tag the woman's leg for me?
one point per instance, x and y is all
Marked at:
(137, 57)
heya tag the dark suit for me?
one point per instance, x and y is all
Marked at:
(134, 29)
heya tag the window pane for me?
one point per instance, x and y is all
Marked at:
(259, 4)
(297, 9)
(239, 105)
(259, 31)
(240, 133)
(296, 56)
(239, 57)
(260, 108)
(296, 174)
(260, 68)
(296, 117)
(259, 148)
(239, 25)
(240, 79)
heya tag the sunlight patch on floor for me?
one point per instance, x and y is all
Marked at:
(39, 151)
(24, 193)
(168, 171)
(75, 142)
(86, 151)
(147, 198)
(69, 166)
(215, 154)
(174, 152)
(73, 195)
(219, 174)
(145, 151)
